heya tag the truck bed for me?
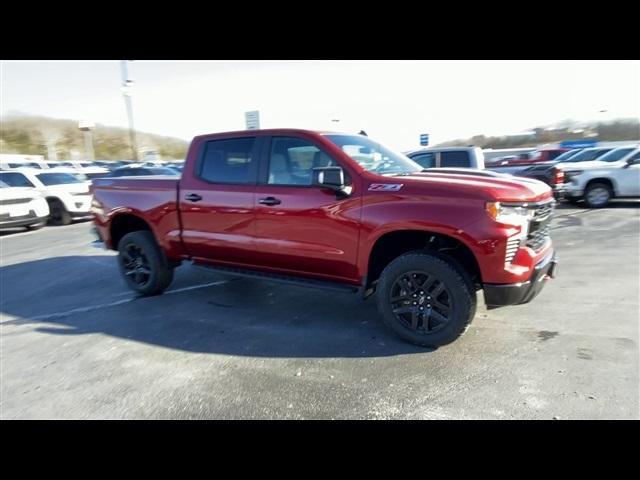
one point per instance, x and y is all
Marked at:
(151, 197)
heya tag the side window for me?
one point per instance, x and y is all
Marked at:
(635, 158)
(291, 161)
(14, 179)
(554, 154)
(228, 161)
(454, 159)
(426, 160)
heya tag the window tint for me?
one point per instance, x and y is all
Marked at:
(566, 155)
(228, 161)
(554, 154)
(454, 159)
(292, 160)
(15, 179)
(425, 160)
(616, 154)
(58, 178)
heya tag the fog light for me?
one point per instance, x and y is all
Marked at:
(78, 204)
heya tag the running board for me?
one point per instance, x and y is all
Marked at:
(276, 277)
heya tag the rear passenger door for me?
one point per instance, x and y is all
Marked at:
(216, 201)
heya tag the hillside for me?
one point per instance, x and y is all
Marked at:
(616, 130)
(30, 134)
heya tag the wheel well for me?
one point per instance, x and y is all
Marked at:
(391, 245)
(606, 181)
(123, 224)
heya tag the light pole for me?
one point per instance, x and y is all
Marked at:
(86, 128)
(127, 92)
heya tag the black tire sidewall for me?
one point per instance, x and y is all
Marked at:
(161, 273)
(596, 185)
(58, 213)
(462, 293)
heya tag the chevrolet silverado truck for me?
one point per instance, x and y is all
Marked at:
(336, 211)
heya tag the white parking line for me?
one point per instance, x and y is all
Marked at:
(91, 308)
(41, 230)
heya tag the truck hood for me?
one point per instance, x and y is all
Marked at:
(14, 193)
(73, 188)
(490, 185)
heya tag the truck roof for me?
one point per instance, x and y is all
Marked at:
(273, 131)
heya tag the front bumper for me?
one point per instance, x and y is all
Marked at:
(23, 221)
(500, 295)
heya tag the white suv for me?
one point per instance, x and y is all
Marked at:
(66, 192)
(614, 174)
(22, 207)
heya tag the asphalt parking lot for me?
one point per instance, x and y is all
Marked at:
(76, 344)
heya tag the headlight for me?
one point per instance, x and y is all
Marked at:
(509, 215)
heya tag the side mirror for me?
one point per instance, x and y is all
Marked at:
(329, 177)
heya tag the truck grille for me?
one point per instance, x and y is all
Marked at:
(539, 226)
(15, 201)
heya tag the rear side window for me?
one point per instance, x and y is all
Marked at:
(15, 179)
(616, 154)
(425, 160)
(228, 161)
(454, 159)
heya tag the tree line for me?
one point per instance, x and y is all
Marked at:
(33, 135)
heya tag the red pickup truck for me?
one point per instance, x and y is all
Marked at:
(337, 211)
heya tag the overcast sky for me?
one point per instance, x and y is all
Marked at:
(393, 101)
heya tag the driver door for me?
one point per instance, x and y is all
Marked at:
(299, 228)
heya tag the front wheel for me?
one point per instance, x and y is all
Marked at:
(142, 263)
(426, 299)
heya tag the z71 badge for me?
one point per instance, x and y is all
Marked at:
(385, 187)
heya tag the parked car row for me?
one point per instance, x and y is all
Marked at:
(65, 194)
(595, 175)
(31, 196)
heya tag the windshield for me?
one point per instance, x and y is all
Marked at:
(567, 155)
(616, 154)
(58, 178)
(374, 157)
(587, 155)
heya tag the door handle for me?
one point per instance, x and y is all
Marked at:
(269, 201)
(194, 197)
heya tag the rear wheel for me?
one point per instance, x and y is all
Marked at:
(58, 213)
(143, 264)
(426, 299)
(597, 195)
